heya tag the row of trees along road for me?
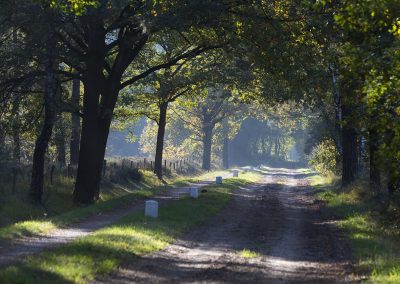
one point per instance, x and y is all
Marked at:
(135, 58)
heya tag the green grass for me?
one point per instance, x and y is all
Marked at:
(113, 196)
(200, 177)
(44, 226)
(245, 253)
(100, 253)
(375, 245)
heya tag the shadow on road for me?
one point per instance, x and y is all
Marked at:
(276, 218)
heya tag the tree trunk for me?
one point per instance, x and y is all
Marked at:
(349, 148)
(162, 122)
(92, 151)
(95, 129)
(42, 142)
(393, 183)
(16, 129)
(59, 140)
(338, 111)
(374, 171)
(225, 153)
(99, 100)
(207, 143)
(75, 124)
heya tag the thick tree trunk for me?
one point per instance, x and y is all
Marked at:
(338, 111)
(75, 124)
(16, 146)
(59, 140)
(374, 171)
(349, 148)
(99, 100)
(393, 183)
(350, 160)
(207, 143)
(225, 153)
(91, 157)
(36, 187)
(16, 130)
(95, 129)
(162, 122)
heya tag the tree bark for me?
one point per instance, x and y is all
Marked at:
(42, 142)
(16, 130)
(349, 147)
(95, 129)
(162, 122)
(207, 143)
(374, 171)
(59, 140)
(92, 151)
(225, 153)
(99, 99)
(75, 124)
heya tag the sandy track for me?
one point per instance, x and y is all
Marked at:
(279, 221)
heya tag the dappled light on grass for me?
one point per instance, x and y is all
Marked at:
(135, 235)
(27, 228)
(116, 196)
(375, 248)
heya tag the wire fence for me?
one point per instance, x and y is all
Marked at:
(113, 168)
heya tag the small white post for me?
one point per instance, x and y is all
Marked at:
(218, 180)
(194, 192)
(151, 208)
(235, 173)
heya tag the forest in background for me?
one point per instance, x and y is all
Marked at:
(318, 75)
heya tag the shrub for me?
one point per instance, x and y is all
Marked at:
(323, 158)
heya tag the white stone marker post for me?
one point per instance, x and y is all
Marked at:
(194, 192)
(151, 209)
(218, 180)
(235, 173)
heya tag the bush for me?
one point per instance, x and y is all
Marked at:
(323, 158)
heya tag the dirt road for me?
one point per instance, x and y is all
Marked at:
(277, 218)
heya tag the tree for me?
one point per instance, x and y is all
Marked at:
(157, 92)
(50, 113)
(75, 123)
(206, 113)
(102, 43)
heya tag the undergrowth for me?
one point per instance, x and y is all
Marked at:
(371, 224)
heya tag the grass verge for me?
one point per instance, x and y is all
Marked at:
(375, 245)
(114, 196)
(100, 253)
